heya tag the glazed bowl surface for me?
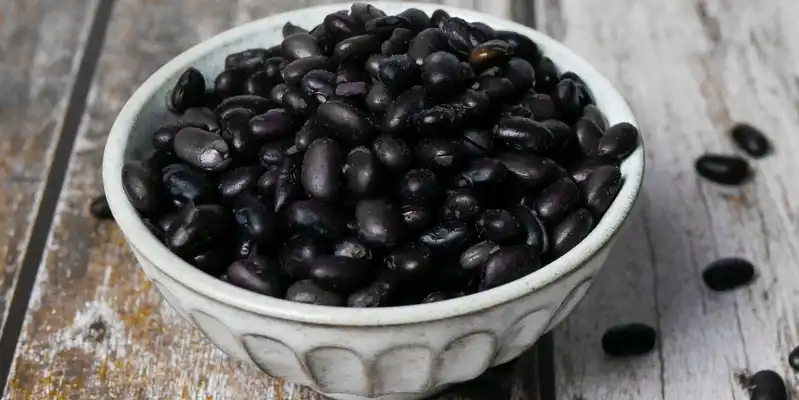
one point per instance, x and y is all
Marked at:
(395, 353)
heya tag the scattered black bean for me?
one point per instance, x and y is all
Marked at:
(793, 359)
(728, 273)
(99, 208)
(723, 169)
(629, 340)
(751, 140)
(767, 385)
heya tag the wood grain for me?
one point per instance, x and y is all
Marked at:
(41, 42)
(691, 69)
(96, 329)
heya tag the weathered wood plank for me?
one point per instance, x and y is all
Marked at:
(41, 42)
(95, 327)
(691, 68)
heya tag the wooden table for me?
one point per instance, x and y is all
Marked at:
(80, 321)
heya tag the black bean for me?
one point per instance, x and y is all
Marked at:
(793, 359)
(258, 84)
(398, 73)
(521, 46)
(438, 18)
(568, 97)
(462, 37)
(271, 125)
(184, 184)
(356, 48)
(478, 142)
(164, 137)
(378, 293)
(230, 82)
(418, 19)
(99, 208)
(259, 275)
(419, 186)
(353, 93)
(427, 42)
(751, 140)
(278, 92)
(592, 113)
(236, 131)
(202, 149)
(240, 180)
(351, 73)
(767, 385)
(352, 248)
(345, 122)
(321, 169)
(342, 26)
(268, 182)
(398, 42)
(320, 84)
(290, 29)
(440, 120)
(440, 153)
(341, 274)
(601, 188)
(256, 104)
(243, 245)
(566, 139)
(143, 188)
(200, 117)
(520, 73)
(257, 218)
(298, 254)
(723, 169)
(546, 76)
(530, 170)
(379, 224)
(197, 228)
(372, 65)
(541, 106)
(571, 231)
(288, 186)
(440, 74)
(309, 132)
(482, 173)
(306, 291)
(398, 115)
(166, 222)
(411, 260)
(416, 217)
(728, 273)
(449, 237)
(585, 94)
(474, 257)
(629, 340)
(211, 260)
(378, 99)
(557, 200)
(362, 171)
(619, 141)
(300, 45)
(526, 134)
(314, 217)
(438, 296)
(507, 265)
(582, 171)
(497, 88)
(273, 153)
(516, 110)
(392, 152)
(188, 92)
(250, 59)
(297, 103)
(461, 204)
(536, 238)
(499, 226)
(296, 70)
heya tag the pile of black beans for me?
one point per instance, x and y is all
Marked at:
(380, 160)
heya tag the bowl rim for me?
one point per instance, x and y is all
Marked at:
(140, 238)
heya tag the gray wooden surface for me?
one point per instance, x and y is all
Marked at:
(95, 329)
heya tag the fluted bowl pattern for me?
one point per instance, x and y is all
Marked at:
(399, 353)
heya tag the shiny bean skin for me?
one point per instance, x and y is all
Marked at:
(478, 142)
(566, 139)
(351, 73)
(419, 186)
(211, 261)
(236, 131)
(557, 200)
(378, 293)
(272, 125)
(196, 228)
(185, 184)
(321, 170)
(314, 217)
(341, 26)
(498, 88)
(256, 217)
(379, 224)
(507, 265)
(449, 237)
(230, 82)
(200, 117)
(352, 93)
(521, 46)
(546, 76)
(520, 74)
(723, 169)
(309, 132)
(363, 13)
(256, 104)
(601, 187)
(474, 257)
(164, 137)
(619, 141)
(188, 92)
(290, 29)
(530, 170)
(260, 275)
(267, 182)
(440, 120)
(300, 45)
(308, 292)
(341, 275)
(427, 42)
(461, 204)
(398, 73)
(569, 97)
(278, 92)
(143, 188)
(438, 17)
(593, 114)
(240, 180)
(398, 42)
(581, 171)
(249, 59)
(482, 173)
(356, 49)
(166, 222)
(492, 53)
(202, 149)
(320, 84)
(498, 226)
(749, 139)
(541, 106)
(362, 171)
(298, 254)
(416, 217)
(411, 260)
(392, 152)
(440, 153)
(441, 74)
(296, 70)
(398, 115)
(352, 248)
(287, 187)
(526, 134)
(345, 121)
(418, 19)
(571, 231)
(536, 237)
(297, 103)
(273, 153)
(378, 99)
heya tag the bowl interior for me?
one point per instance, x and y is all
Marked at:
(145, 111)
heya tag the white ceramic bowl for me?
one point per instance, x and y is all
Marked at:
(394, 353)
